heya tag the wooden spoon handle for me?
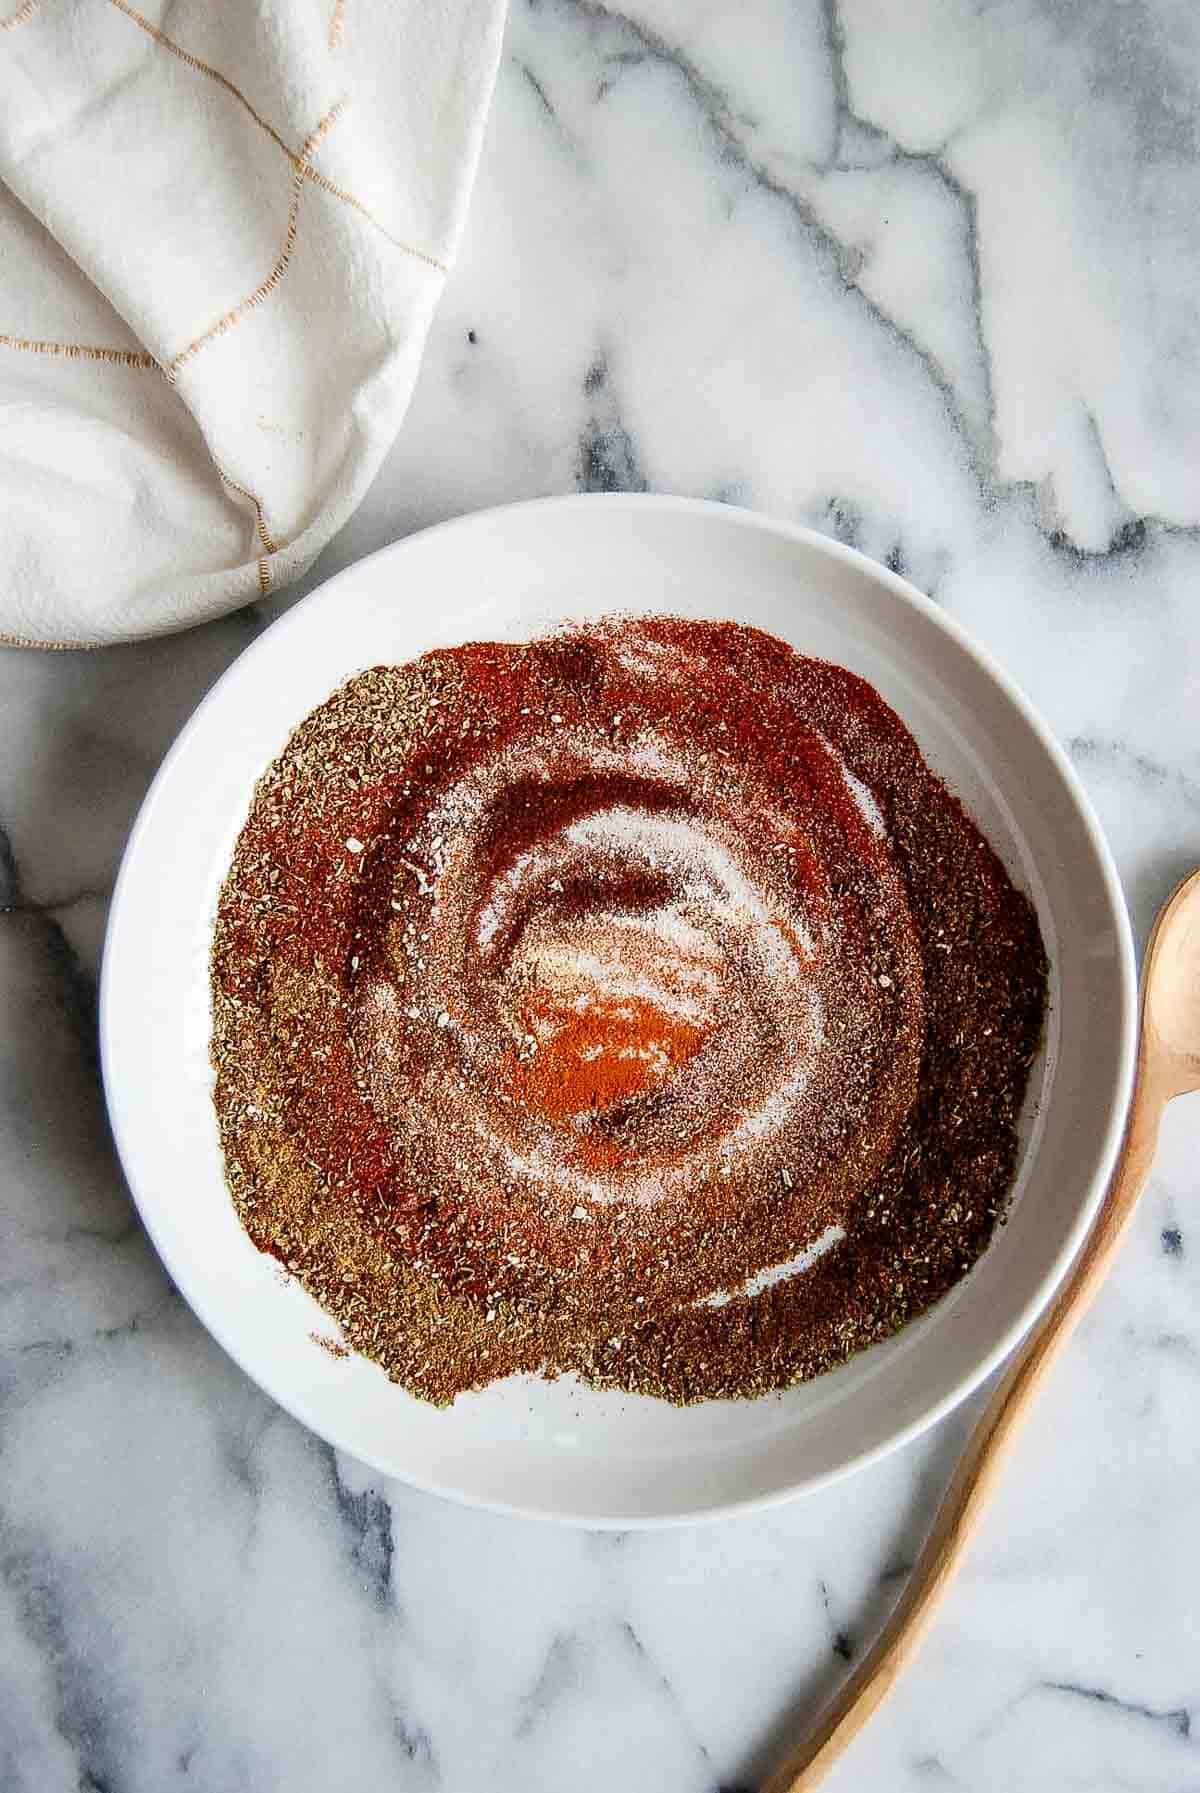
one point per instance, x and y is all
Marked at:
(977, 1468)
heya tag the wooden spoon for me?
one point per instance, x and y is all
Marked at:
(1168, 1065)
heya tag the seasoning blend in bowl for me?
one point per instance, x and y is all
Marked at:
(635, 1002)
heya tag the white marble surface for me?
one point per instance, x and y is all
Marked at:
(924, 275)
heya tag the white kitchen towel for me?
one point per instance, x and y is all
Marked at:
(224, 227)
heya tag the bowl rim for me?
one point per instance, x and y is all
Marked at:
(1118, 1097)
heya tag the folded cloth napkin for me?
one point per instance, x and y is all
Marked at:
(223, 231)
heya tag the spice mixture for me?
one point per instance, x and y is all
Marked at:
(635, 1002)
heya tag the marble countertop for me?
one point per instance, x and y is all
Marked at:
(924, 276)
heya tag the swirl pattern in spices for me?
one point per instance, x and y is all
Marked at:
(618, 981)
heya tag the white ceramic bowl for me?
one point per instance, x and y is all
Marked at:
(559, 1449)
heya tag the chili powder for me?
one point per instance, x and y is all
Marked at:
(635, 1002)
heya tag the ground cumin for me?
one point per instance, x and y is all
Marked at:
(568, 993)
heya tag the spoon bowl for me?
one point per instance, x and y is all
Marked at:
(1171, 1003)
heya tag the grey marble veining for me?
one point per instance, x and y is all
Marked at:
(925, 277)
